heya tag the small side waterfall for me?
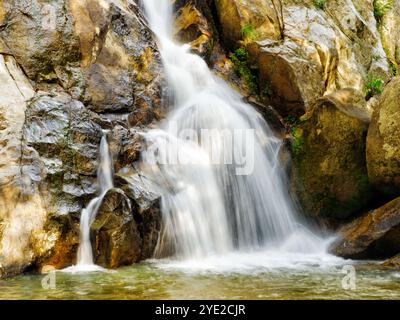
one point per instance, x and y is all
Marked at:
(105, 182)
(216, 163)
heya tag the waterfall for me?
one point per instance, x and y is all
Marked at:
(215, 162)
(105, 182)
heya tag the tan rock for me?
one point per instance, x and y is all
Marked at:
(303, 52)
(383, 141)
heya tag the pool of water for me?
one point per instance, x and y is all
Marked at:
(232, 278)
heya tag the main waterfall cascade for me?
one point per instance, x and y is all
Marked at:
(209, 209)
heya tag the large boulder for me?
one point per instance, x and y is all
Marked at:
(374, 235)
(383, 142)
(329, 174)
(116, 239)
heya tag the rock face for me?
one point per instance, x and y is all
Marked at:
(101, 52)
(194, 25)
(374, 235)
(383, 142)
(389, 31)
(303, 51)
(329, 171)
(69, 69)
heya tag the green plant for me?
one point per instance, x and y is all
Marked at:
(249, 32)
(376, 58)
(320, 4)
(298, 140)
(373, 86)
(267, 92)
(245, 69)
(394, 71)
(381, 7)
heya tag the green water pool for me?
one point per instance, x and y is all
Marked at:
(151, 281)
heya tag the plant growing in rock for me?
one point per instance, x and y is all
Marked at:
(374, 86)
(248, 32)
(381, 7)
(320, 4)
(245, 69)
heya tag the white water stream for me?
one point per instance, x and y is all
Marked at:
(105, 181)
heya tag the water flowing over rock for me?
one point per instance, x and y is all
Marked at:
(374, 235)
(241, 208)
(383, 142)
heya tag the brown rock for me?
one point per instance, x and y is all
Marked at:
(374, 235)
(383, 141)
(116, 239)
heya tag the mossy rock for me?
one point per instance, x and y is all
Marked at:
(383, 142)
(329, 173)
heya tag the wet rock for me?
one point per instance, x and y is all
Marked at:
(66, 139)
(194, 25)
(383, 142)
(115, 234)
(374, 235)
(392, 263)
(126, 145)
(40, 36)
(146, 202)
(329, 173)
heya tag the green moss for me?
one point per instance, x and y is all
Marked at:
(320, 4)
(245, 69)
(298, 141)
(381, 7)
(374, 86)
(249, 32)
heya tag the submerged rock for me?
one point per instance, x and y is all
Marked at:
(374, 235)
(383, 142)
(329, 172)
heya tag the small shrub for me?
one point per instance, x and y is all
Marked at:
(374, 86)
(245, 69)
(320, 4)
(381, 7)
(249, 32)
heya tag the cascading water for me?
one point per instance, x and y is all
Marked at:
(216, 163)
(105, 182)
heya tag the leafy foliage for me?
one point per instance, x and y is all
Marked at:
(245, 69)
(320, 4)
(381, 7)
(374, 85)
(249, 32)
